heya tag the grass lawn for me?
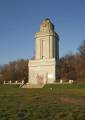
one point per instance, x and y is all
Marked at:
(53, 102)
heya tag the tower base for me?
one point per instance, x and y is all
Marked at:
(42, 71)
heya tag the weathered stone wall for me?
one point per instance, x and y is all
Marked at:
(42, 71)
(50, 47)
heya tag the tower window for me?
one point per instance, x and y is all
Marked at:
(43, 49)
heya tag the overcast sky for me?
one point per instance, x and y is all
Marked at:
(21, 19)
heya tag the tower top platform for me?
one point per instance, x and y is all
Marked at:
(46, 25)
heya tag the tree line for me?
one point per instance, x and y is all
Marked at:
(14, 71)
(73, 65)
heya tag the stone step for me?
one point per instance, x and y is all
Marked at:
(27, 85)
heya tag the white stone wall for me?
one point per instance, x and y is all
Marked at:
(50, 44)
(42, 71)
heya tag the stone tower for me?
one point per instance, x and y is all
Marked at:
(43, 69)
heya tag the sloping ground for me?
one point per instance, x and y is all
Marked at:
(49, 103)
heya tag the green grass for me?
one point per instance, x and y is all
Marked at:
(62, 102)
(66, 86)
